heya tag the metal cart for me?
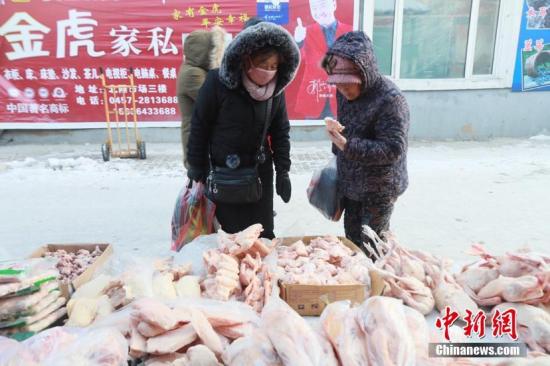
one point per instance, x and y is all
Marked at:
(116, 101)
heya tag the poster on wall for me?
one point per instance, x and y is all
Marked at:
(532, 72)
(273, 11)
(51, 54)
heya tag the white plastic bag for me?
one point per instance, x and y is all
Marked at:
(193, 252)
(103, 347)
(64, 346)
(24, 270)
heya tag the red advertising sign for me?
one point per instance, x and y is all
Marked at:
(51, 52)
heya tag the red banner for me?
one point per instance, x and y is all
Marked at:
(51, 53)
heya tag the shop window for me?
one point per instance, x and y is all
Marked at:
(435, 38)
(442, 44)
(487, 23)
(384, 17)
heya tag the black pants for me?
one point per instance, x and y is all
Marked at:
(375, 212)
(237, 217)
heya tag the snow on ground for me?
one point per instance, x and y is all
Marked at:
(541, 138)
(496, 192)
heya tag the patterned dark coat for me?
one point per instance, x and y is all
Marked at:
(374, 160)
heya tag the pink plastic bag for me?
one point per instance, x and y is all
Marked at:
(193, 215)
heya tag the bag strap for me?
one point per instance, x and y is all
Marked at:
(267, 123)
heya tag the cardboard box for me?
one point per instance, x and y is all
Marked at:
(307, 239)
(68, 288)
(311, 300)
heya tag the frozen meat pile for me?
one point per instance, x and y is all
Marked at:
(244, 267)
(533, 324)
(283, 338)
(235, 270)
(381, 331)
(73, 264)
(186, 332)
(520, 277)
(244, 242)
(325, 261)
(518, 280)
(30, 300)
(211, 332)
(65, 346)
(384, 331)
(161, 279)
(420, 279)
(97, 298)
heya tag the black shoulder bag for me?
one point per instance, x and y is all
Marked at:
(241, 185)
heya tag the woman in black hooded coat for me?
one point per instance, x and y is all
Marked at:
(229, 117)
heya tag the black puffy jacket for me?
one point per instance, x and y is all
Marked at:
(228, 119)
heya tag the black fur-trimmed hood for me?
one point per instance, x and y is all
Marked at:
(252, 39)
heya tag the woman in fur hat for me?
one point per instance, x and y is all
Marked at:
(230, 115)
(203, 51)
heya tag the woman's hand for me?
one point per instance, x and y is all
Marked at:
(333, 125)
(283, 186)
(334, 130)
(196, 174)
(338, 140)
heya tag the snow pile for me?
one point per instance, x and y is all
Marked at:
(28, 162)
(81, 162)
(540, 137)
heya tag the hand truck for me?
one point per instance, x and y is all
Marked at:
(113, 96)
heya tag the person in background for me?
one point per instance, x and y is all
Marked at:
(370, 139)
(203, 51)
(229, 118)
(315, 98)
(252, 21)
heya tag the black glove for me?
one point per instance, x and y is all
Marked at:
(283, 186)
(196, 174)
